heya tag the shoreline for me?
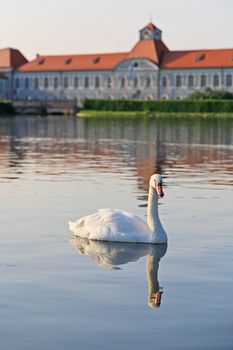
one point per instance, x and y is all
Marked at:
(147, 114)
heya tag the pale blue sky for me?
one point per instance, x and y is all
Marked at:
(82, 26)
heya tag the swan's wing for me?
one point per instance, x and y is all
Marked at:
(112, 225)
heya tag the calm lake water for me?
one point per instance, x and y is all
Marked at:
(59, 293)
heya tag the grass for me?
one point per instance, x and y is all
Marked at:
(147, 114)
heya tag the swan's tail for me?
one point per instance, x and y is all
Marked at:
(73, 227)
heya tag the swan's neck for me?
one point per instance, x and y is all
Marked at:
(152, 210)
(158, 233)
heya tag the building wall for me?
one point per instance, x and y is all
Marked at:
(179, 83)
(132, 79)
(3, 88)
(6, 87)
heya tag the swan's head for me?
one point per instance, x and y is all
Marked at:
(156, 181)
(155, 300)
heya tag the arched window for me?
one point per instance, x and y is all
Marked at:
(46, 82)
(86, 82)
(190, 81)
(216, 80)
(229, 80)
(76, 82)
(178, 81)
(97, 82)
(123, 82)
(36, 83)
(26, 83)
(55, 83)
(65, 82)
(17, 83)
(203, 80)
(164, 82)
(135, 82)
(148, 82)
(109, 82)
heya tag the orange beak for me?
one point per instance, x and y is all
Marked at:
(159, 190)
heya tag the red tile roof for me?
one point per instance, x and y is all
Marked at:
(11, 58)
(198, 59)
(74, 62)
(152, 50)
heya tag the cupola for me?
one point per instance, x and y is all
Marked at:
(150, 32)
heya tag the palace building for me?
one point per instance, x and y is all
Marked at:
(149, 71)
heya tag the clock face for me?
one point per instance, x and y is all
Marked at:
(147, 35)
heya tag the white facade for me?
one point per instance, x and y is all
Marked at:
(3, 88)
(146, 81)
(143, 74)
(179, 83)
(133, 79)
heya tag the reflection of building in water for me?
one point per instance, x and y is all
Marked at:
(112, 254)
(142, 147)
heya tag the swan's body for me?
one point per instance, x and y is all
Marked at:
(120, 226)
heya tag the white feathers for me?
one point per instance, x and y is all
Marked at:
(112, 225)
(117, 225)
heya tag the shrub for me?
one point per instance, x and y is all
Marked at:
(209, 94)
(6, 107)
(176, 106)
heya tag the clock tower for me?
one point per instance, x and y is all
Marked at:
(150, 32)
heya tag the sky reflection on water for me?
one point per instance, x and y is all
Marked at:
(55, 169)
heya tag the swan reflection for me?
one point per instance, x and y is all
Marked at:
(112, 254)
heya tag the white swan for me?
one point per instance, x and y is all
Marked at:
(120, 226)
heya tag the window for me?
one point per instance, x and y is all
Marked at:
(203, 80)
(216, 80)
(26, 83)
(164, 82)
(190, 81)
(41, 61)
(178, 81)
(36, 83)
(86, 82)
(200, 57)
(46, 82)
(109, 82)
(68, 60)
(135, 82)
(229, 80)
(17, 83)
(95, 60)
(97, 82)
(123, 82)
(76, 82)
(65, 82)
(148, 82)
(55, 83)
